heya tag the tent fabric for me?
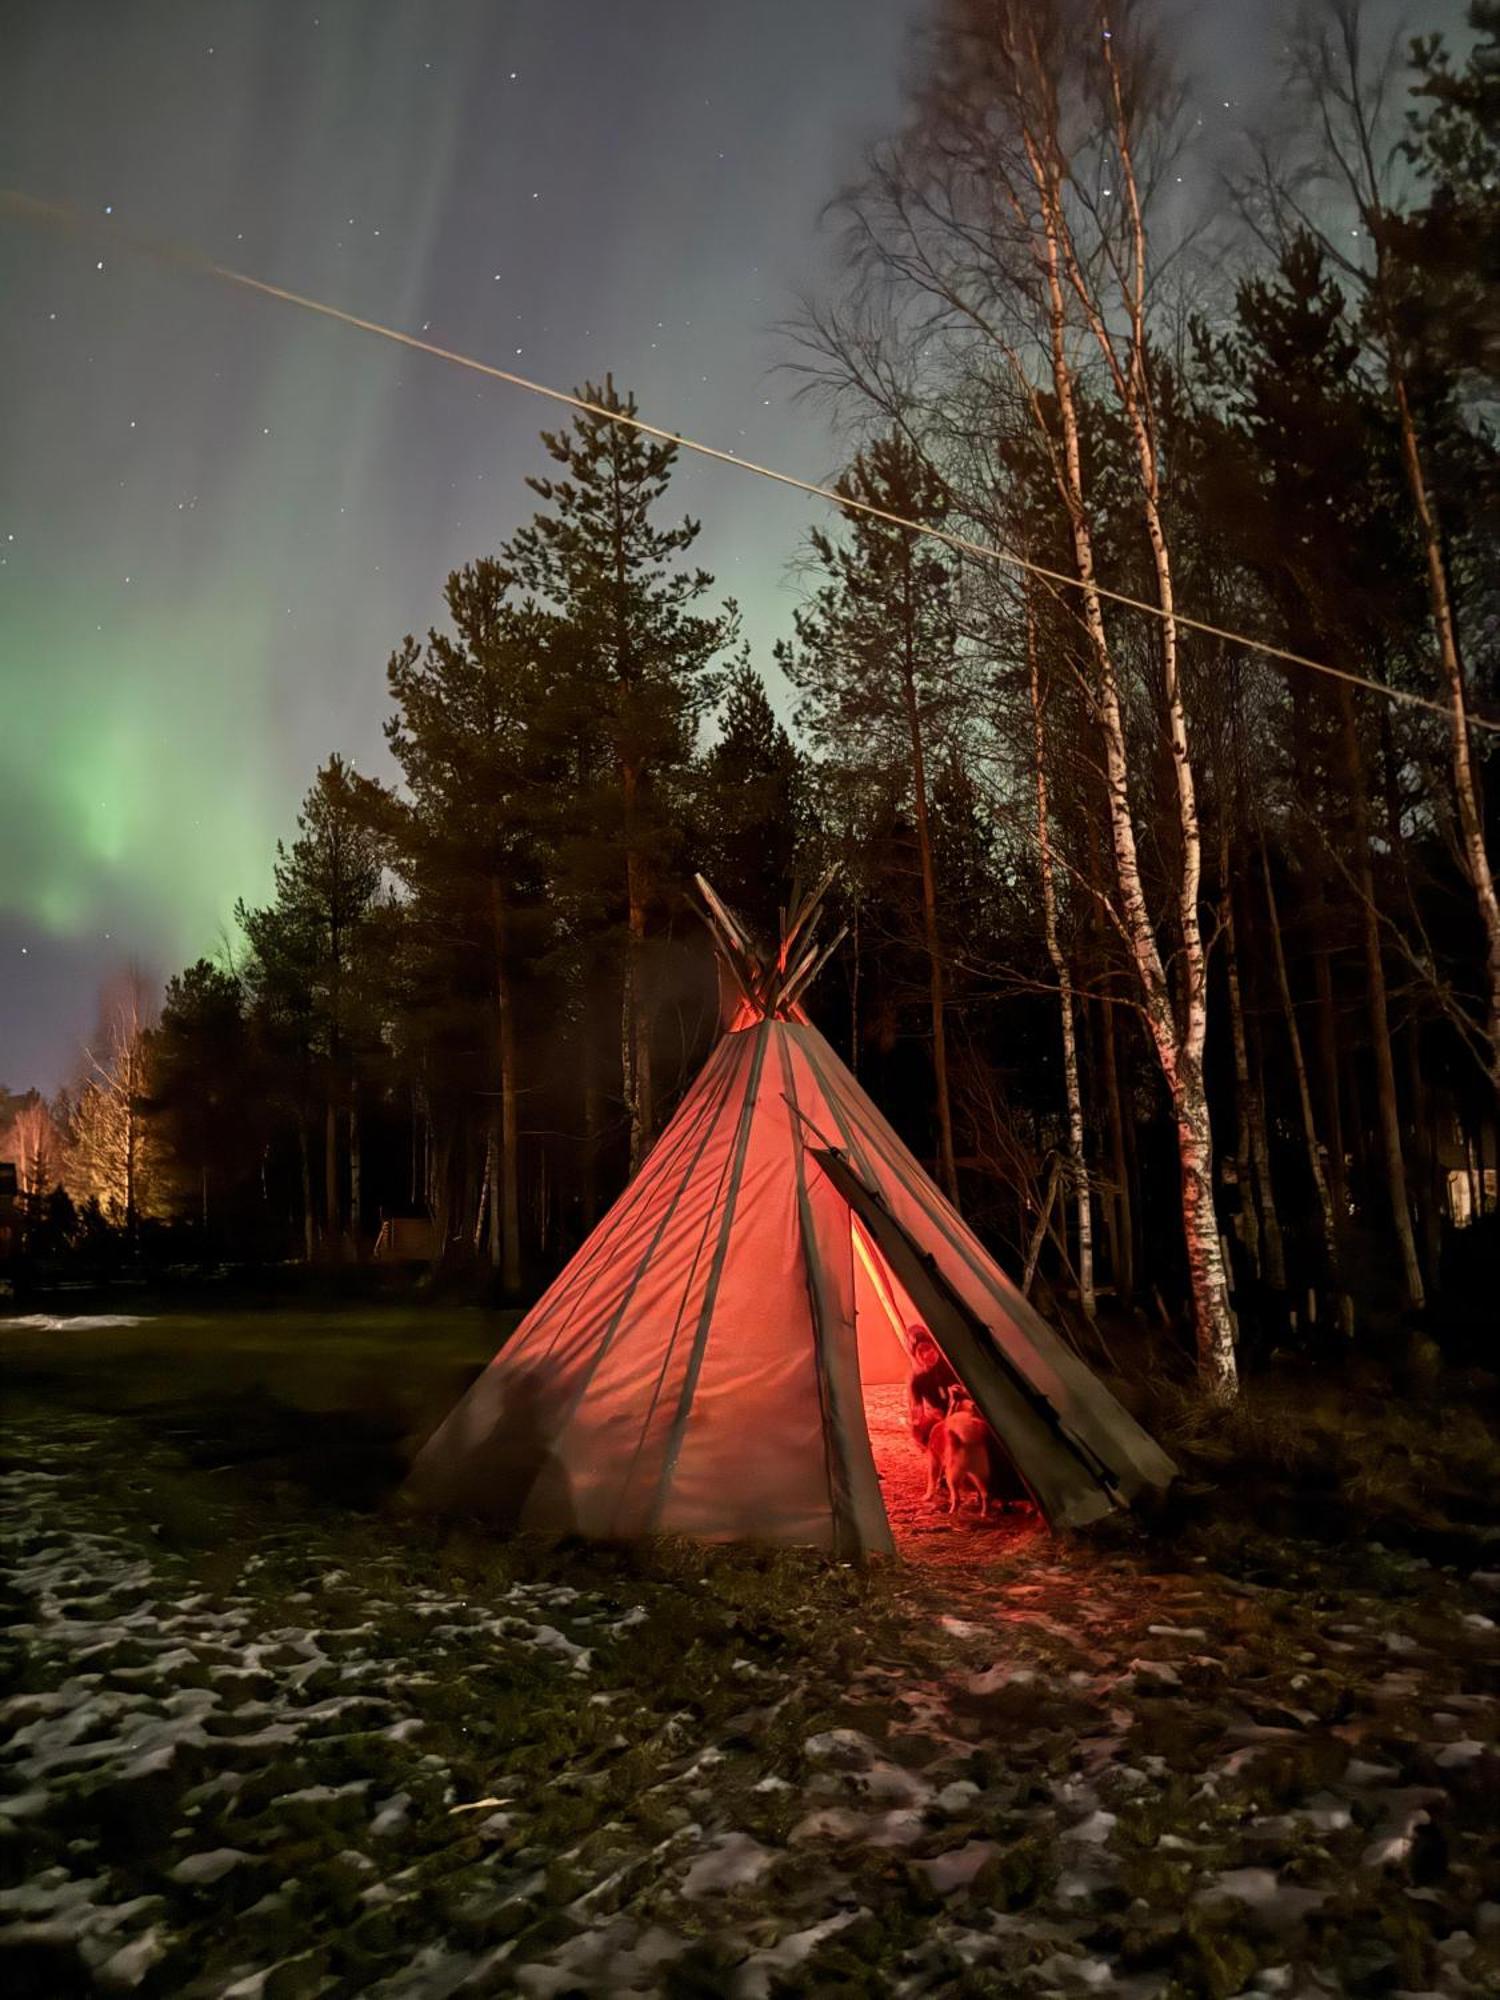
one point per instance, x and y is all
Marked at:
(698, 1367)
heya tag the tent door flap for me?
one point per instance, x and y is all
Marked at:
(1016, 1410)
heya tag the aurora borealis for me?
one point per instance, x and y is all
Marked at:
(218, 515)
(225, 514)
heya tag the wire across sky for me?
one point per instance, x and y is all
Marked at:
(23, 207)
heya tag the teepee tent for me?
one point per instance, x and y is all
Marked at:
(698, 1368)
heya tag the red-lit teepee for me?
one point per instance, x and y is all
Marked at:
(697, 1367)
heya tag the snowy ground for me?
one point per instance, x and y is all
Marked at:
(276, 1753)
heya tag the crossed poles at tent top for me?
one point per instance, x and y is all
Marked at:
(772, 983)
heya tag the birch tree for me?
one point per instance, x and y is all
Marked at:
(1078, 1168)
(1006, 235)
(110, 1155)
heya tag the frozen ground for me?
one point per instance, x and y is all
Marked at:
(268, 1750)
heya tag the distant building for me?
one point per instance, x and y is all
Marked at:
(406, 1239)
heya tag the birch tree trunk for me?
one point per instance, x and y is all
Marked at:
(1388, 1112)
(1260, 1143)
(356, 1179)
(307, 1196)
(593, 1126)
(440, 1186)
(505, 1191)
(488, 1189)
(1124, 1205)
(132, 1128)
(1247, 1221)
(1328, 1068)
(1429, 1212)
(331, 1172)
(1179, 1051)
(854, 992)
(1078, 1163)
(1344, 1305)
(1253, 1151)
(948, 1167)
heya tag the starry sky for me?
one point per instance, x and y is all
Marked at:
(219, 515)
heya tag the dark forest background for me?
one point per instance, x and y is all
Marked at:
(1178, 964)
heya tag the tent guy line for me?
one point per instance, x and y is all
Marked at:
(29, 208)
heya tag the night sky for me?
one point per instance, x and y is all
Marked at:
(218, 515)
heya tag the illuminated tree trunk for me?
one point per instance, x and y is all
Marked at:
(1078, 1162)
(1179, 1050)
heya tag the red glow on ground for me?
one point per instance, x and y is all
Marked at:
(923, 1533)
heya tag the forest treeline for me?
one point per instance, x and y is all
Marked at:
(1178, 962)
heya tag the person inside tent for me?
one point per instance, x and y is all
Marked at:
(929, 1386)
(931, 1392)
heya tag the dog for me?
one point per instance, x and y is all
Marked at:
(963, 1454)
(962, 1446)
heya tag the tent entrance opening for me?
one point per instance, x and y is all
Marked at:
(888, 1324)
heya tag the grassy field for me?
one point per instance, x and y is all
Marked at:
(268, 1735)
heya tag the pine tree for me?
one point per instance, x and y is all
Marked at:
(481, 776)
(634, 658)
(308, 972)
(1448, 248)
(752, 803)
(206, 1101)
(882, 682)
